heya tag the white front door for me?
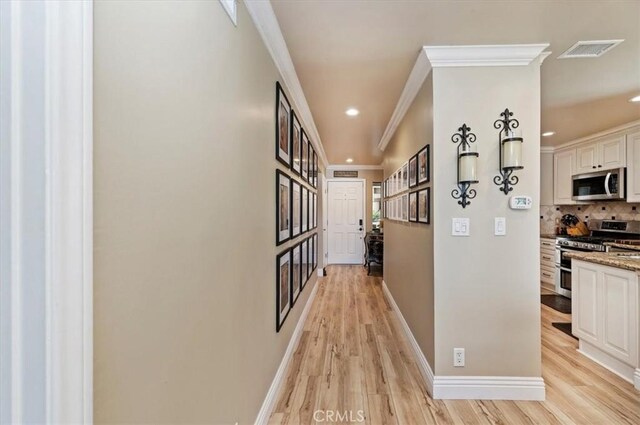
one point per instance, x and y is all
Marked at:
(346, 222)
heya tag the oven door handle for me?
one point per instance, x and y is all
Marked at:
(606, 184)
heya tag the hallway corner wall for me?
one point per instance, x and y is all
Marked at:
(408, 247)
(184, 292)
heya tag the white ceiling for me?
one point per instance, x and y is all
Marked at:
(360, 53)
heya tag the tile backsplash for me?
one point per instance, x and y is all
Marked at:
(599, 211)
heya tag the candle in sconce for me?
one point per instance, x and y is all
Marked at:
(512, 150)
(468, 166)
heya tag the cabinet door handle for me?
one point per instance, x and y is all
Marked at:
(593, 166)
(546, 258)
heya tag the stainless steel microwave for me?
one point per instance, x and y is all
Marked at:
(601, 185)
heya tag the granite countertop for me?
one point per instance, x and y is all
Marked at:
(630, 247)
(620, 260)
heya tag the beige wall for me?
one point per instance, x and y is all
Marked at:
(408, 247)
(370, 177)
(487, 290)
(546, 178)
(184, 215)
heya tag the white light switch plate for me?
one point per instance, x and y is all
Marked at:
(500, 226)
(460, 227)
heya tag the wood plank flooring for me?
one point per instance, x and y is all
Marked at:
(353, 356)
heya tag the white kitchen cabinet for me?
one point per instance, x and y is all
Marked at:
(633, 167)
(603, 154)
(586, 158)
(605, 316)
(564, 167)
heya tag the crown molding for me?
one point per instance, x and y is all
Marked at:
(419, 72)
(457, 56)
(352, 167)
(266, 22)
(484, 55)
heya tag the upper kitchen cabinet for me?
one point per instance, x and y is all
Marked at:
(564, 167)
(633, 168)
(604, 154)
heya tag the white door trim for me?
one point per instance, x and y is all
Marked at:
(364, 204)
(47, 116)
(69, 245)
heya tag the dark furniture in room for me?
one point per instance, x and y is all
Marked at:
(374, 249)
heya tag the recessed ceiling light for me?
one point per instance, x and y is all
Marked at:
(635, 99)
(349, 160)
(548, 133)
(352, 112)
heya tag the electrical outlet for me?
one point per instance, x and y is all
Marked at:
(458, 357)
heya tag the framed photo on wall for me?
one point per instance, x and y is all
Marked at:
(305, 209)
(283, 141)
(413, 207)
(304, 262)
(283, 298)
(315, 211)
(424, 205)
(296, 277)
(283, 214)
(296, 137)
(312, 255)
(312, 154)
(405, 176)
(423, 165)
(296, 208)
(413, 171)
(405, 207)
(315, 251)
(304, 157)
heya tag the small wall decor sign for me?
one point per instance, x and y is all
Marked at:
(345, 173)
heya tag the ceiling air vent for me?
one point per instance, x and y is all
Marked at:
(590, 49)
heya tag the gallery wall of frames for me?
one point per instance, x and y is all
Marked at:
(296, 208)
(406, 199)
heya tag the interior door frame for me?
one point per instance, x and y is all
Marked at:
(364, 206)
(60, 70)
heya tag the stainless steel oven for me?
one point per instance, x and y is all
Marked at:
(563, 265)
(599, 185)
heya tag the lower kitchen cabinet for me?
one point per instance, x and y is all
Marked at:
(605, 316)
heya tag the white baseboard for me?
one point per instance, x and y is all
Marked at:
(488, 388)
(421, 360)
(279, 379)
(469, 387)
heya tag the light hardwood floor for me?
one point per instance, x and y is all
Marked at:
(353, 356)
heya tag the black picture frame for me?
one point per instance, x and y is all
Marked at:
(283, 300)
(413, 171)
(424, 177)
(304, 262)
(424, 217)
(296, 274)
(315, 251)
(296, 142)
(413, 209)
(304, 224)
(314, 216)
(283, 118)
(283, 234)
(304, 157)
(312, 153)
(295, 208)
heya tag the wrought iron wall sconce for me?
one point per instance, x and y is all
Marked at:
(510, 142)
(467, 166)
